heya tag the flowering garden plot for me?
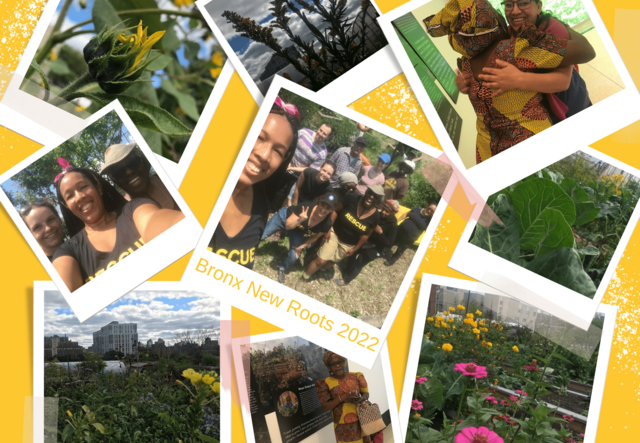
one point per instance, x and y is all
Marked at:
(463, 393)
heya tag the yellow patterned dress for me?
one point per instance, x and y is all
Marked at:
(345, 417)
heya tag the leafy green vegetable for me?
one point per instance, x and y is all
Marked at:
(502, 240)
(532, 197)
(563, 266)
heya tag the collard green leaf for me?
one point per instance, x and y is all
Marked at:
(146, 115)
(186, 102)
(586, 210)
(430, 393)
(589, 250)
(548, 232)
(555, 177)
(104, 15)
(427, 351)
(563, 266)
(608, 208)
(501, 240)
(532, 197)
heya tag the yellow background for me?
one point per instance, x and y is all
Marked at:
(619, 419)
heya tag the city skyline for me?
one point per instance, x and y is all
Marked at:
(159, 314)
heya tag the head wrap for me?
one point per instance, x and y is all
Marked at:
(471, 25)
(347, 177)
(330, 357)
(393, 204)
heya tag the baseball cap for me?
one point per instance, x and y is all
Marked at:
(361, 141)
(115, 154)
(385, 158)
(377, 189)
(329, 198)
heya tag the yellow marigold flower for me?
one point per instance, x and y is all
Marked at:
(445, 325)
(53, 56)
(438, 318)
(454, 326)
(442, 335)
(188, 373)
(451, 320)
(215, 72)
(478, 312)
(470, 315)
(477, 337)
(452, 309)
(417, 415)
(466, 321)
(437, 325)
(489, 344)
(475, 331)
(429, 318)
(501, 338)
(69, 414)
(207, 379)
(495, 381)
(484, 329)
(482, 323)
(515, 349)
(196, 378)
(216, 387)
(483, 343)
(447, 347)
(474, 324)
(460, 308)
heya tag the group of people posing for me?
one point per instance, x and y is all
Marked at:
(521, 73)
(337, 206)
(103, 225)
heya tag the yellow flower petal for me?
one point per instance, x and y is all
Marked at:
(215, 72)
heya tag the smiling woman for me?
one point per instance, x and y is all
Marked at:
(45, 224)
(243, 220)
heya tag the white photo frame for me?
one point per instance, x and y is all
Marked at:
(45, 122)
(382, 364)
(39, 288)
(428, 280)
(155, 256)
(349, 87)
(612, 114)
(367, 351)
(523, 284)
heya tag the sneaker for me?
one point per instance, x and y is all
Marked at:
(275, 238)
(281, 276)
(339, 282)
(390, 262)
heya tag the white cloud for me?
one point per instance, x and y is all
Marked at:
(155, 318)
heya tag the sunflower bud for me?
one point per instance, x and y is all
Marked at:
(117, 60)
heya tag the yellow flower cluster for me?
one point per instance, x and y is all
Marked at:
(470, 315)
(460, 308)
(196, 378)
(616, 180)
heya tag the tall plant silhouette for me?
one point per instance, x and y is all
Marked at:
(340, 46)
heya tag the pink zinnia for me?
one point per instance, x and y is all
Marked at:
(478, 435)
(522, 393)
(416, 405)
(491, 400)
(421, 380)
(514, 399)
(504, 403)
(471, 369)
(531, 368)
(567, 417)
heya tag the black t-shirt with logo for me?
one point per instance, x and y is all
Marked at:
(93, 262)
(323, 226)
(241, 248)
(348, 227)
(310, 188)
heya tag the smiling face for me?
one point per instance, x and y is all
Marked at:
(380, 165)
(131, 174)
(517, 14)
(429, 210)
(323, 210)
(385, 212)
(356, 150)
(46, 227)
(269, 151)
(337, 367)
(322, 134)
(369, 198)
(82, 197)
(324, 173)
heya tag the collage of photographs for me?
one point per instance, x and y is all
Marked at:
(296, 270)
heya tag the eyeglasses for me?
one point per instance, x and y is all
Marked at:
(522, 5)
(120, 172)
(27, 207)
(350, 186)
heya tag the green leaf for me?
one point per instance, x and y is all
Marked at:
(103, 15)
(206, 438)
(151, 20)
(59, 67)
(170, 41)
(501, 240)
(159, 63)
(608, 208)
(550, 231)
(193, 23)
(431, 394)
(99, 427)
(146, 115)
(563, 266)
(589, 250)
(532, 197)
(586, 210)
(186, 102)
(191, 50)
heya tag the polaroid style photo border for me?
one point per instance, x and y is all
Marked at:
(365, 348)
(383, 358)
(349, 87)
(159, 253)
(422, 308)
(46, 119)
(602, 119)
(523, 284)
(39, 288)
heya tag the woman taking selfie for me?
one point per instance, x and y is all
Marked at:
(243, 221)
(45, 224)
(103, 226)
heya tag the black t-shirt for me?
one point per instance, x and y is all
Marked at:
(241, 248)
(323, 226)
(310, 188)
(414, 224)
(93, 262)
(348, 227)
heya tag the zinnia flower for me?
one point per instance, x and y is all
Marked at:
(522, 393)
(416, 405)
(567, 417)
(504, 403)
(420, 380)
(471, 369)
(491, 400)
(447, 347)
(515, 349)
(530, 368)
(478, 435)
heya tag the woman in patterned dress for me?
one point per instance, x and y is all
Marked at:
(340, 393)
(479, 33)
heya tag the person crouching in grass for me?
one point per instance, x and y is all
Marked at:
(354, 220)
(379, 243)
(305, 223)
(415, 222)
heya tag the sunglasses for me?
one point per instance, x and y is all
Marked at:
(120, 172)
(27, 207)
